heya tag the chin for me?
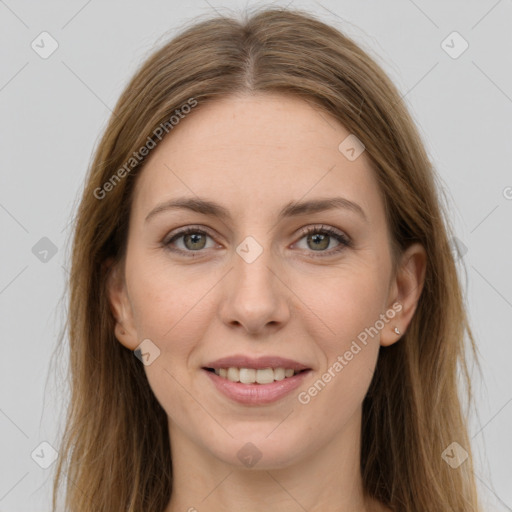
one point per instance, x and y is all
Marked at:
(257, 452)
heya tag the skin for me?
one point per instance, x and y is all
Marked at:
(253, 154)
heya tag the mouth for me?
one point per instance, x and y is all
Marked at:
(256, 381)
(255, 386)
(260, 376)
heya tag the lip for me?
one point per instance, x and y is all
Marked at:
(256, 394)
(242, 361)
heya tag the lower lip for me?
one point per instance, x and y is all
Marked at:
(257, 394)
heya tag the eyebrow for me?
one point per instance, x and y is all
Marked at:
(291, 209)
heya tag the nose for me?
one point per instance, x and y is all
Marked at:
(255, 295)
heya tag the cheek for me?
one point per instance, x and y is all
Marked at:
(342, 383)
(346, 327)
(168, 303)
(172, 311)
(341, 305)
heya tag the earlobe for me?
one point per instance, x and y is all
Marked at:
(120, 334)
(406, 291)
(120, 307)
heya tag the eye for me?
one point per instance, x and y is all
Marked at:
(194, 239)
(319, 238)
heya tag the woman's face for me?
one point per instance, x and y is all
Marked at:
(249, 283)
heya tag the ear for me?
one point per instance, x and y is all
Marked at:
(120, 305)
(405, 291)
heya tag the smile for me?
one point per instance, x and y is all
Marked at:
(253, 375)
(251, 392)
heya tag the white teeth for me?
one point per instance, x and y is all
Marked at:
(251, 375)
(233, 374)
(247, 375)
(279, 374)
(265, 376)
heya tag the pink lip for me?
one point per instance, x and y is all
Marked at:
(256, 394)
(241, 361)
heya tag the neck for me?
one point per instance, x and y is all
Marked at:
(326, 477)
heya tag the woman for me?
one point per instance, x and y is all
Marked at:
(261, 228)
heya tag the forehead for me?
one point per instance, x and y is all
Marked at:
(253, 152)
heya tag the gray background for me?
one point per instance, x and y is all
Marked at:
(53, 111)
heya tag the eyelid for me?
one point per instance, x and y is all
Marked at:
(324, 228)
(344, 241)
(179, 232)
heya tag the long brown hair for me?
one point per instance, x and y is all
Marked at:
(115, 450)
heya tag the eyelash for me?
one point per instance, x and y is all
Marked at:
(343, 240)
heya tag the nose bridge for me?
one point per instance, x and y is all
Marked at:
(253, 263)
(255, 296)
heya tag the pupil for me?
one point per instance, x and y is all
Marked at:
(195, 237)
(320, 240)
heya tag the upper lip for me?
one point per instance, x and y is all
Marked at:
(242, 361)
